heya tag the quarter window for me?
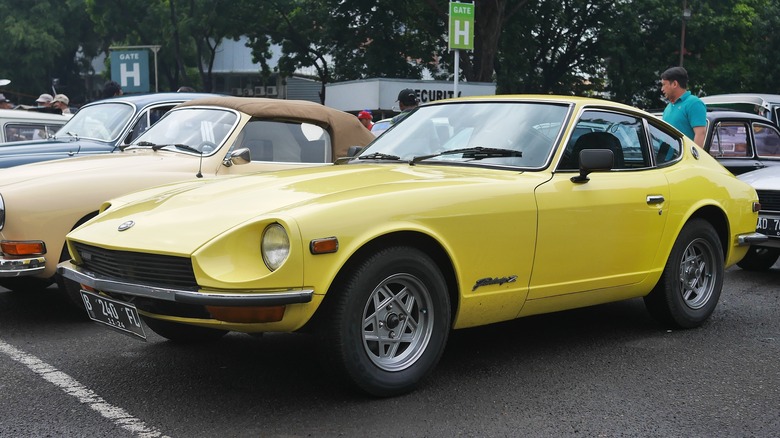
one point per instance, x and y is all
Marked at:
(767, 140)
(666, 148)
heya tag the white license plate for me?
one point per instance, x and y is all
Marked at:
(769, 225)
(115, 314)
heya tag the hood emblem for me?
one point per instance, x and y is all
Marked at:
(126, 226)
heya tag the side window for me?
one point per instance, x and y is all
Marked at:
(767, 140)
(665, 147)
(147, 119)
(730, 139)
(286, 142)
(25, 131)
(620, 133)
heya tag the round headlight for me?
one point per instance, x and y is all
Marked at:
(275, 246)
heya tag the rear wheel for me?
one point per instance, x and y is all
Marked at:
(183, 333)
(759, 259)
(386, 325)
(690, 286)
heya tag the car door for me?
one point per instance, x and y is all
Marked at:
(604, 232)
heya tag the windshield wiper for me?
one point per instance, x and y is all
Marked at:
(379, 156)
(157, 147)
(476, 153)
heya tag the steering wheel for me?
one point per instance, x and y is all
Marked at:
(207, 147)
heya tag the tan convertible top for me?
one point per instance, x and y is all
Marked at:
(344, 128)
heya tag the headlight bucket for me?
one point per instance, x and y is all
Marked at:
(275, 246)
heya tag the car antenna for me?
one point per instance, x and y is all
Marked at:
(200, 166)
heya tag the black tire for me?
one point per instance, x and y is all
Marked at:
(365, 330)
(183, 333)
(759, 259)
(690, 286)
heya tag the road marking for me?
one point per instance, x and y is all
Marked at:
(119, 416)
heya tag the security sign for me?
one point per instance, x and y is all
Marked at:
(130, 68)
(461, 26)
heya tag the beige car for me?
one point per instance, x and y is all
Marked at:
(204, 138)
(21, 125)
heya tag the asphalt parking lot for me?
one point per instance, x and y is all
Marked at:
(602, 371)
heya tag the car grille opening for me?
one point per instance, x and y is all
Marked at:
(769, 199)
(136, 267)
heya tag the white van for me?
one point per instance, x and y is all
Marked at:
(19, 125)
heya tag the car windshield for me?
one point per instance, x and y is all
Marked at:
(104, 122)
(516, 134)
(189, 130)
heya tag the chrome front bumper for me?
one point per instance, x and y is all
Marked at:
(751, 239)
(241, 298)
(22, 267)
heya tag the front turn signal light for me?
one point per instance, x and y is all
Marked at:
(756, 206)
(23, 248)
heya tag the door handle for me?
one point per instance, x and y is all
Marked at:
(655, 199)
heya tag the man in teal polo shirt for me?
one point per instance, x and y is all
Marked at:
(685, 111)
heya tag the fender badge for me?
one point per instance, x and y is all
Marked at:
(497, 280)
(126, 226)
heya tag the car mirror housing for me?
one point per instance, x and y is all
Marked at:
(593, 160)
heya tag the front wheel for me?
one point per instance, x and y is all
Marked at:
(759, 259)
(386, 324)
(690, 286)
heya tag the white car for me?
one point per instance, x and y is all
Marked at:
(766, 181)
(21, 125)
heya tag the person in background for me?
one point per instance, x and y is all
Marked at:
(44, 100)
(61, 103)
(366, 119)
(684, 111)
(111, 89)
(407, 101)
(5, 103)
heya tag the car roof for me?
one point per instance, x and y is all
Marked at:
(142, 100)
(760, 99)
(24, 115)
(730, 114)
(343, 125)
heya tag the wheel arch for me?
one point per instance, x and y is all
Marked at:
(719, 221)
(420, 241)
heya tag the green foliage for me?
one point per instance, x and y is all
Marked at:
(610, 48)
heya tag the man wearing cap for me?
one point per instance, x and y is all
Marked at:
(61, 102)
(407, 101)
(44, 100)
(5, 103)
(366, 119)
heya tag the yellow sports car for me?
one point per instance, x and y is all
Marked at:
(469, 212)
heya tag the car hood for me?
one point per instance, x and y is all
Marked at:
(767, 178)
(181, 218)
(68, 169)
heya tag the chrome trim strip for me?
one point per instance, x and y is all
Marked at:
(239, 299)
(22, 267)
(751, 239)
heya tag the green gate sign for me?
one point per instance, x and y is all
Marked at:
(130, 68)
(461, 26)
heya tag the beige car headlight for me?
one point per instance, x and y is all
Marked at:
(275, 246)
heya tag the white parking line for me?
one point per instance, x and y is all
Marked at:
(84, 395)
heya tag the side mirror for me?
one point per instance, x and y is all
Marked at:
(593, 160)
(238, 156)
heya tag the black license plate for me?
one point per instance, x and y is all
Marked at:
(115, 314)
(769, 225)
